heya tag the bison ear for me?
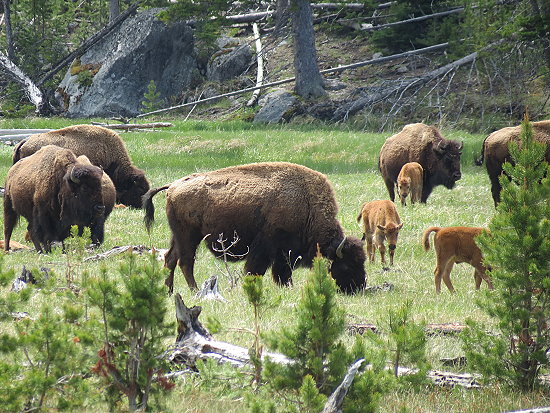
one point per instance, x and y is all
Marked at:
(400, 226)
(381, 228)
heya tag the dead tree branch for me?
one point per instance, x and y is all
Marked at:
(32, 91)
(336, 399)
(414, 19)
(89, 43)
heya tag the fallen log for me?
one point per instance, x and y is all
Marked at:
(194, 343)
(134, 126)
(134, 249)
(336, 399)
(430, 329)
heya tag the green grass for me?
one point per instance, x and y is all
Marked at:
(349, 159)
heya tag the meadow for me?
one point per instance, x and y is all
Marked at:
(349, 160)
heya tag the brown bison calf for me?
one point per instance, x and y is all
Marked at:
(409, 181)
(380, 222)
(454, 245)
(53, 190)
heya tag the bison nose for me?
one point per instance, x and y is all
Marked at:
(99, 209)
(392, 247)
(457, 176)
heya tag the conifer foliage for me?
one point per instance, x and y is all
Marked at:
(320, 357)
(517, 250)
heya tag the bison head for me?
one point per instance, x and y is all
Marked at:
(348, 265)
(81, 195)
(448, 154)
(131, 188)
(403, 188)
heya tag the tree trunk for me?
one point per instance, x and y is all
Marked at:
(114, 10)
(537, 13)
(281, 16)
(9, 34)
(309, 82)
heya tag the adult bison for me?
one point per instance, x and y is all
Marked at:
(282, 214)
(104, 148)
(53, 190)
(439, 157)
(495, 151)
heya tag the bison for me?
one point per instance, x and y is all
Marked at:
(439, 157)
(409, 181)
(454, 245)
(380, 222)
(53, 190)
(282, 214)
(104, 148)
(495, 151)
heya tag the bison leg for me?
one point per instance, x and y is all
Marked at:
(391, 188)
(281, 270)
(10, 220)
(447, 276)
(480, 274)
(258, 261)
(370, 248)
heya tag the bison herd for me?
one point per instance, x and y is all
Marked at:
(281, 214)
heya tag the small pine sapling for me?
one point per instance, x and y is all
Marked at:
(135, 326)
(151, 100)
(517, 251)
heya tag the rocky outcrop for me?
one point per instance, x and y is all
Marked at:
(276, 107)
(111, 78)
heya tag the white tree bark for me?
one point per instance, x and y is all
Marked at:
(32, 91)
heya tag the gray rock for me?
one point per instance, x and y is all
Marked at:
(276, 107)
(121, 66)
(229, 63)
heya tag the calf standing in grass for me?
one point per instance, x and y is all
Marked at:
(380, 222)
(454, 245)
(409, 181)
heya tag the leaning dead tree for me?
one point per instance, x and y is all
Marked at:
(34, 94)
(194, 343)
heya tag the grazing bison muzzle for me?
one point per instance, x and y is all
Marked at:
(53, 190)
(439, 158)
(495, 151)
(280, 212)
(454, 245)
(104, 148)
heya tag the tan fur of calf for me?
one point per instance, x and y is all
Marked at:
(409, 181)
(454, 245)
(380, 222)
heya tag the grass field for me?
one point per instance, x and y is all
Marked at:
(349, 159)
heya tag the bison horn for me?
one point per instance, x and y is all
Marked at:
(440, 147)
(461, 146)
(339, 249)
(73, 176)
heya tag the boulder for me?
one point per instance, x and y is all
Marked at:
(277, 106)
(111, 78)
(229, 62)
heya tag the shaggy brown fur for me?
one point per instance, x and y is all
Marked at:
(439, 157)
(454, 245)
(380, 222)
(409, 181)
(53, 190)
(495, 150)
(104, 148)
(282, 214)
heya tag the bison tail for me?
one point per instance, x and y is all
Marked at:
(147, 205)
(17, 151)
(479, 161)
(426, 237)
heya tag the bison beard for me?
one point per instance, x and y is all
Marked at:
(279, 211)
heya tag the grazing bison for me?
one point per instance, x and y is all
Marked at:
(380, 222)
(53, 190)
(282, 214)
(439, 157)
(454, 245)
(495, 151)
(104, 148)
(409, 181)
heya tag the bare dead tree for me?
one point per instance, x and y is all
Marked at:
(224, 250)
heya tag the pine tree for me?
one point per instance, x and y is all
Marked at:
(517, 250)
(152, 98)
(320, 359)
